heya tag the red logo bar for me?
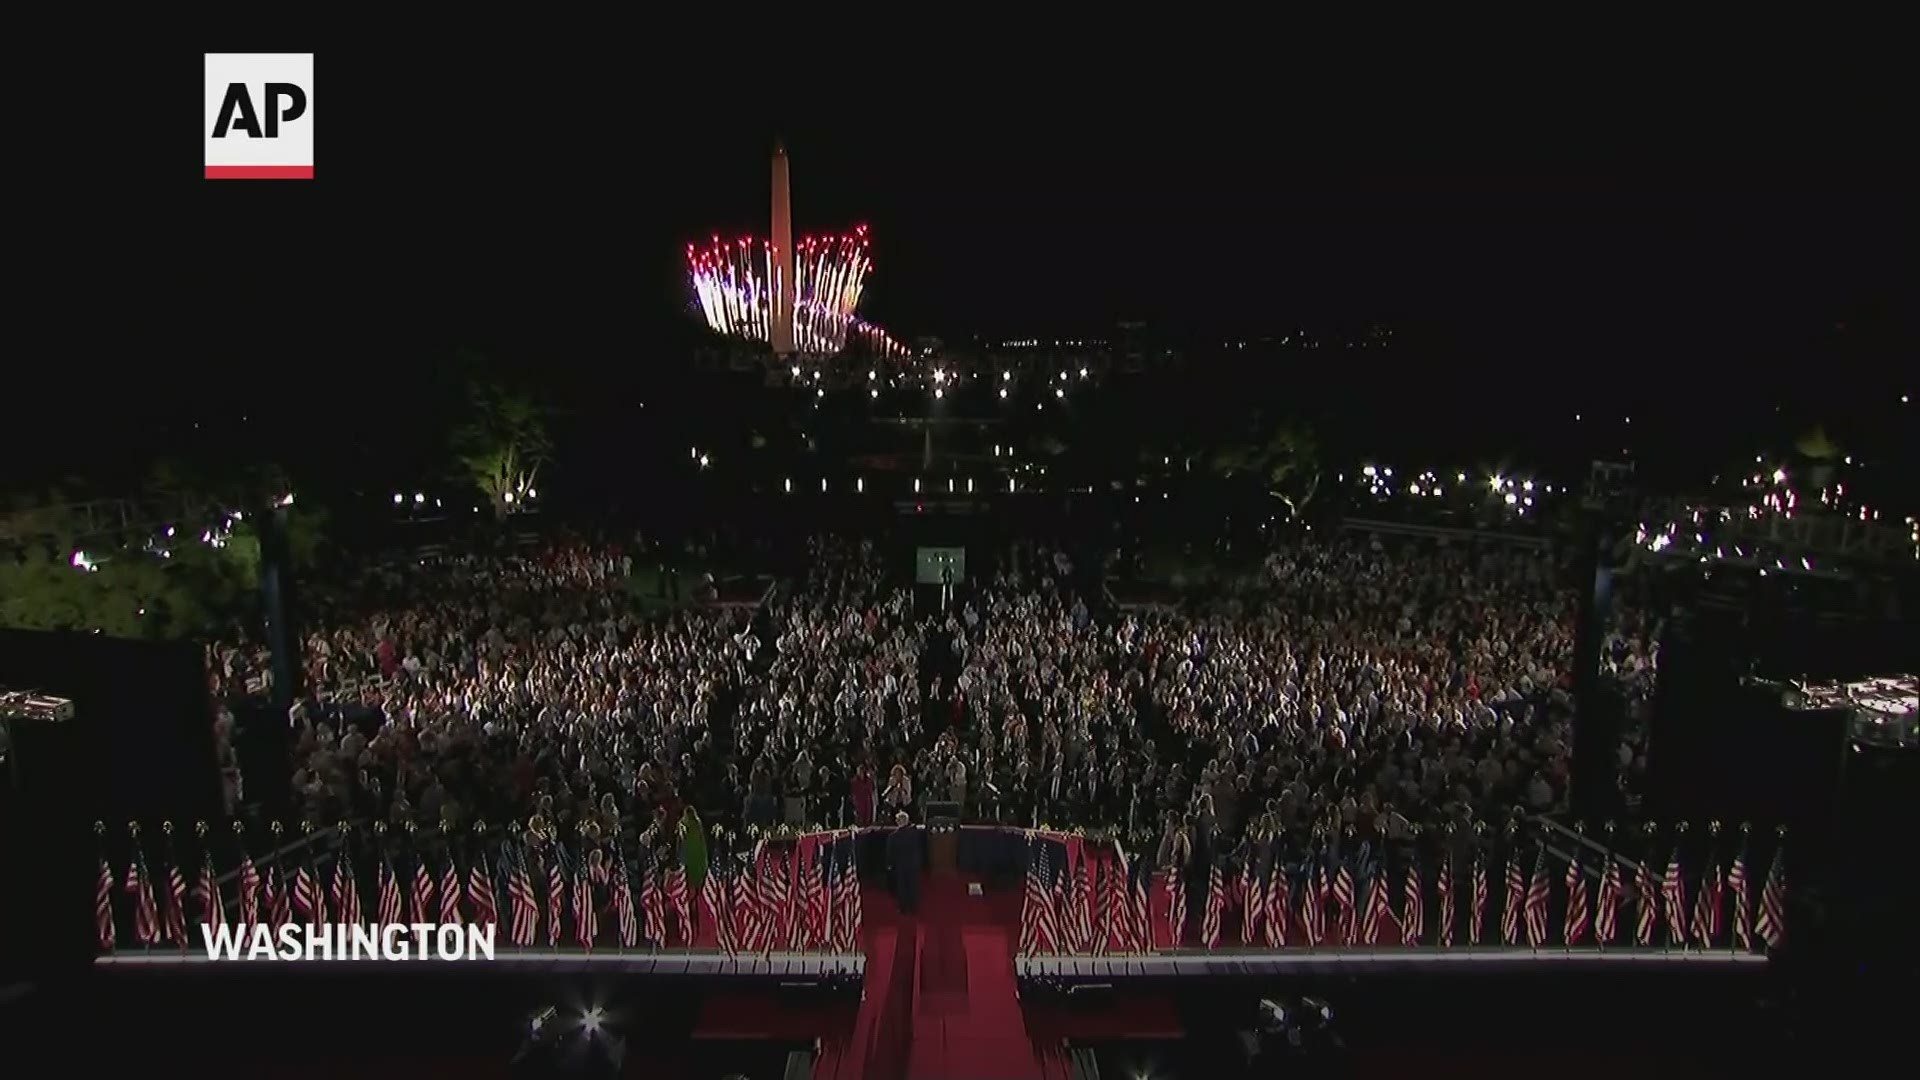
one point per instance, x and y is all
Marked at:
(259, 172)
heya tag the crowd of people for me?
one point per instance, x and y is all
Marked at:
(1362, 688)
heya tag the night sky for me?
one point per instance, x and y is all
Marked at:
(1560, 253)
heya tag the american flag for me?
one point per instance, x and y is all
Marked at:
(346, 890)
(176, 905)
(1038, 931)
(1742, 902)
(714, 901)
(786, 868)
(1102, 912)
(1706, 909)
(1345, 902)
(1125, 917)
(1445, 888)
(1278, 901)
(1413, 909)
(1606, 920)
(586, 919)
(1477, 916)
(746, 906)
(653, 908)
(480, 892)
(1539, 894)
(1673, 890)
(450, 891)
(522, 901)
(556, 898)
(626, 919)
(1176, 909)
(1376, 928)
(678, 902)
(249, 891)
(306, 897)
(103, 907)
(847, 899)
(1079, 908)
(146, 919)
(1313, 905)
(1516, 896)
(423, 910)
(1142, 910)
(1771, 922)
(1253, 892)
(389, 911)
(278, 902)
(1216, 907)
(1648, 908)
(1578, 913)
(818, 898)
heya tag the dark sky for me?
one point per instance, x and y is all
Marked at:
(1523, 236)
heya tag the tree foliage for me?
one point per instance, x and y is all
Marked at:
(1283, 459)
(502, 444)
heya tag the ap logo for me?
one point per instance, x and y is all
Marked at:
(259, 122)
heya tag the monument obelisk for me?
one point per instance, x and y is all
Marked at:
(780, 257)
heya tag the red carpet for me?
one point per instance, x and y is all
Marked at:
(966, 1009)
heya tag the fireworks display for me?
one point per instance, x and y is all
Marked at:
(735, 282)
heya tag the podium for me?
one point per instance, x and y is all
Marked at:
(943, 838)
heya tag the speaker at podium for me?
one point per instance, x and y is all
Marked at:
(943, 837)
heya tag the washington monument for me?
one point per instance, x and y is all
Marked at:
(781, 273)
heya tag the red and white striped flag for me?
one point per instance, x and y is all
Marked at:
(522, 901)
(279, 901)
(1081, 908)
(480, 893)
(1347, 904)
(1444, 886)
(1377, 928)
(716, 909)
(1606, 921)
(1413, 907)
(249, 891)
(450, 890)
(207, 894)
(1539, 894)
(1648, 908)
(1578, 913)
(389, 908)
(103, 908)
(678, 902)
(306, 897)
(1742, 902)
(1313, 906)
(1673, 891)
(1278, 904)
(146, 916)
(556, 899)
(1176, 909)
(423, 909)
(851, 912)
(1210, 916)
(1771, 922)
(1142, 910)
(1253, 904)
(346, 891)
(1477, 917)
(1706, 910)
(623, 913)
(176, 913)
(1035, 932)
(746, 908)
(586, 921)
(1516, 899)
(653, 907)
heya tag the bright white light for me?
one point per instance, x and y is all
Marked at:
(1003, 392)
(916, 485)
(703, 461)
(789, 484)
(1009, 483)
(1460, 478)
(80, 560)
(1368, 471)
(1779, 476)
(874, 394)
(969, 485)
(419, 498)
(823, 485)
(1495, 483)
(1528, 485)
(1059, 393)
(1083, 373)
(1512, 498)
(1006, 376)
(532, 494)
(398, 499)
(871, 376)
(796, 371)
(949, 485)
(939, 376)
(937, 394)
(508, 497)
(860, 485)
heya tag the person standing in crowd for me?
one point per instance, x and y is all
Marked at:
(693, 849)
(904, 856)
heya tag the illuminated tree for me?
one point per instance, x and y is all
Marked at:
(1285, 463)
(502, 446)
